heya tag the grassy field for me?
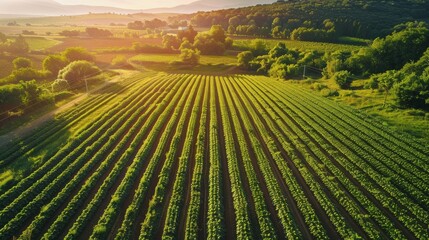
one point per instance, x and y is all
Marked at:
(41, 43)
(302, 45)
(196, 156)
(210, 65)
(102, 44)
(414, 122)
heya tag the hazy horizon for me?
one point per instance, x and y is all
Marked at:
(128, 4)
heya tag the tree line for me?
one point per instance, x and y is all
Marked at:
(397, 63)
(312, 20)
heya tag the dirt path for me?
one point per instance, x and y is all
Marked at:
(29, 127)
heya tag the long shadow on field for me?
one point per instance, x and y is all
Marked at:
(21, 157)
(204, 69)
(110, 87)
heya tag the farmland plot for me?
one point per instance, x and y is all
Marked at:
(218, 157)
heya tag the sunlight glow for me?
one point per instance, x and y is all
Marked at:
(131, 4)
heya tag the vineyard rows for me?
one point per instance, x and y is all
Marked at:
(180, 156)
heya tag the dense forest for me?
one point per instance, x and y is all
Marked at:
(315, 19)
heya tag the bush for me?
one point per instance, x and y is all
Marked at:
(10, 96)
(27, 74)
(118, 61)
(318, 86)
(343, 79)
(190, 56)
(244, 59)
(21, 62)
(329, 93)
(60, 85)
(278, 71)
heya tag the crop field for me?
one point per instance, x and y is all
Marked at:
(178, 156)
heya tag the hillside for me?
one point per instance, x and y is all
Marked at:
(365, 19)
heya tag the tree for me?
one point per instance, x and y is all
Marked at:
(277, 22)
(244, 59)
(170, 42)
(279, 50)
(10, 96)
(21, 62)
(78, 53)
(189, 56)
(76, 72)
(54, 63)
(258, 47)
(189, 34)
(398, 48)
(413, 91)
(385, 81)
(186, 44)
(213, 42)
(217, 33)
(343, 79)
(234, 21)
(32, 91)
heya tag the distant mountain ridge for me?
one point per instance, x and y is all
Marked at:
(208, 5)
(53, 8)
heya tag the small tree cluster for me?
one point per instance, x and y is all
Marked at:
(76, 72)
(98, 33)
(54, 63)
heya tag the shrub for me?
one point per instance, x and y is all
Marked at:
(329, 92)
(21, 62)
(60, 85)
(27, 74)
(343, 79)
(244, 59)
(190, 56)
(119, 61)
(318, 86)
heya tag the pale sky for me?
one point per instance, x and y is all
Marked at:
(131, 4)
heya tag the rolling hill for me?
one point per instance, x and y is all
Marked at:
(53, 8)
